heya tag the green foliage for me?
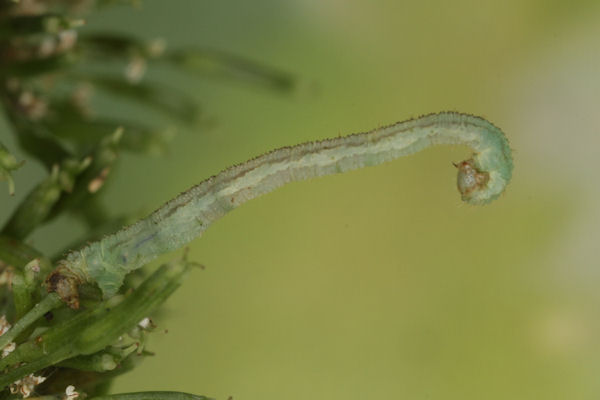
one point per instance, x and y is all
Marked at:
(8, 163)
(152, 396)
(94, 331)
(50, 67)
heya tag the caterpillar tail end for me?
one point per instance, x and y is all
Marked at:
(64, 284)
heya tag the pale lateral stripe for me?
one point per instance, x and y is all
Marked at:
(185, 217)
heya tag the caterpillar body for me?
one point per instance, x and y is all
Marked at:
(481, 179)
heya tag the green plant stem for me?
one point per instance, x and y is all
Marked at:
(100, 362)
(22, 294)
(38, 204)
(36, 24)
(8, 163)
(35, 208)
(28, 267)
(89, 181)
(152, 396)
(92, 330)
(48, 303)
(33, 138)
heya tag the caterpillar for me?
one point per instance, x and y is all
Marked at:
(481, 179)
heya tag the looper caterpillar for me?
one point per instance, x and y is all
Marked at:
(481, 179)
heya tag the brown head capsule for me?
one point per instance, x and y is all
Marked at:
(470, 180)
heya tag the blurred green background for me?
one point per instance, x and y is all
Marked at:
(379, 283)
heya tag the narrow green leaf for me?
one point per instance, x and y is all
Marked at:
(38, 204)
(50, 302)
(204, 62)
(40, 66)
(35, 24)
(98, 362)
(115, 45)
(38, 142)
(34, 208)
(219, 64)
(169, 101)
(152, 396)
(8, 163)
(85, 132)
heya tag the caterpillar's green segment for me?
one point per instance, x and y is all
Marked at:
(481, 179)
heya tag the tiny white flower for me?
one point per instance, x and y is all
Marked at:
(4, 325)
(146, 323)
(66, 40)
(156, 47)
(26, 385)
(70, 393)
(6, 276)
(26, 98)
(47, 47)
(8, 349)
(33, 265)
(135, 69)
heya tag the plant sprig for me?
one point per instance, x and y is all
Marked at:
(51, 70)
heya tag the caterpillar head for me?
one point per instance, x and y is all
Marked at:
(470, 181)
